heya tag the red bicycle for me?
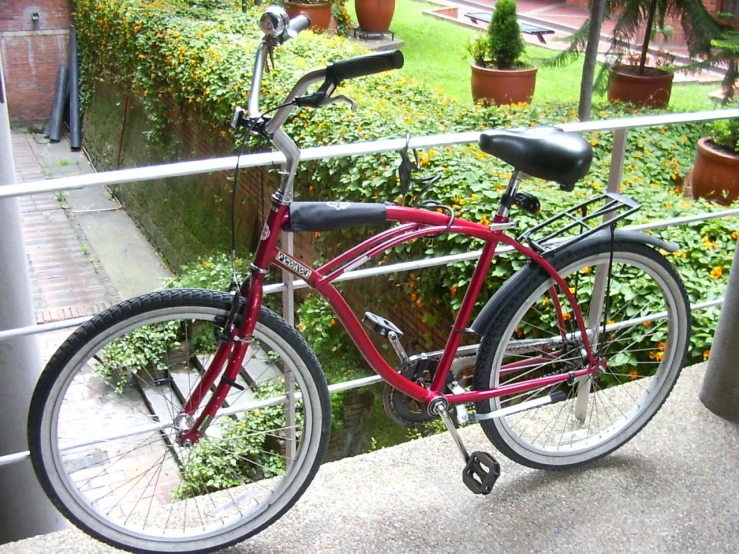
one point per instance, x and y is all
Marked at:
(189, 420)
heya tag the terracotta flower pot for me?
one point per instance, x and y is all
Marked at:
(320, 14)
(503, 86)
(375, 15)
(715, 174)
(650, 90)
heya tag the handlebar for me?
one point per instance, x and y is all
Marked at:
(361, 66)
(299, 23)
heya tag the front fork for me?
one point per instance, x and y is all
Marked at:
(232, 348)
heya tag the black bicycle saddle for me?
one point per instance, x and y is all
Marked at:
(545, 152)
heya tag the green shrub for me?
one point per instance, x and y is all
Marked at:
(504, 33)
(726, 134)
(327, 338)
(143, 349)
(213, 272)
(245, 453)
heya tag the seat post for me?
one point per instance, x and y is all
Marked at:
(507, 199)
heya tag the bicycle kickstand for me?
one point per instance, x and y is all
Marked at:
(481, 470)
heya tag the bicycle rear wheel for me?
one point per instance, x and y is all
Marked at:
(644, 347)
(103, 426)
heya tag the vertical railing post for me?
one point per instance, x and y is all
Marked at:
(597, 298)
(288, 312)
(24, 511)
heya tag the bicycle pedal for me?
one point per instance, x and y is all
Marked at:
(481, 472)
(380, 325)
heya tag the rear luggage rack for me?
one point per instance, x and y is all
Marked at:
(576, 223)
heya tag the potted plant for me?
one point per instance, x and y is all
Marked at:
(715, 174)
(374, 15)
(499, 75)
(630, 77)
(321, 13)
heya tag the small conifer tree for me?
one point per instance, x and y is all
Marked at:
(506, 43)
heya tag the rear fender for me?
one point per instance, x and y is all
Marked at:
(532, 270)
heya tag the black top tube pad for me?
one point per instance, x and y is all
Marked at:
(329, 216)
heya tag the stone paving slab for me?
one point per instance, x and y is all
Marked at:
(672, 489)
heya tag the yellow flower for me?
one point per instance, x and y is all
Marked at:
(586, 270)
(735, 235)
(658, 356)
(332, 322)
(594, 142)
(717, 272)
(207, 265)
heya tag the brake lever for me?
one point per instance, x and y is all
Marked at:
(341, 98)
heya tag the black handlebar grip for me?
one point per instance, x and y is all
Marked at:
(362, 66)
(299, 23)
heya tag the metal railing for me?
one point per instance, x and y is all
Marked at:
(619, 126)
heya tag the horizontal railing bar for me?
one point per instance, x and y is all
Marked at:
(44, 327)
(322, 152)
(682, 220)
(13, 458)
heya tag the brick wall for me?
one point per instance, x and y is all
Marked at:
(32, 51)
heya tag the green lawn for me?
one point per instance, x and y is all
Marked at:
(435, 54)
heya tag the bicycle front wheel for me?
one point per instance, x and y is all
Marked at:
(105, 417)
(647, 321)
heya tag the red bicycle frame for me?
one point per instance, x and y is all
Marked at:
(413, 223)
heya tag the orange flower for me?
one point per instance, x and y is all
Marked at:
(717, 272)
(332, 322)
(633, 375)
(413, 296)
(661, 346)
(566, 316)
(706, 354)
(647, 324)
(454, 290)
(418, 304)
